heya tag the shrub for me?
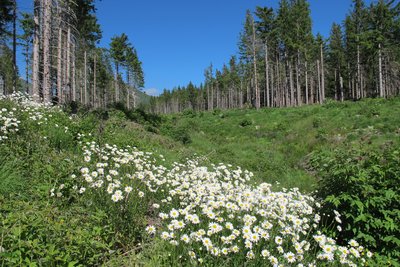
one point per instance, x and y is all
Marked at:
(245, 122)
(181, 135)
(189, 113)
(363, 186)
(216, 112)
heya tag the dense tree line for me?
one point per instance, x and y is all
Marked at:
(60, 40)
(281, 63)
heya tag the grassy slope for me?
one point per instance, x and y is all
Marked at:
(275, 147)
(276, 144)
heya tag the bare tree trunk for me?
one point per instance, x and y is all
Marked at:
(358, 88)
(15, 74)
(257, 92)
(312, 90)
(127, 98)
(322, 76)
(46, 51)
(59, 65)
(267, 76)
(36, 44)
(306, 96)
(68, 61)
(94, 81)
(116, 83)
(85, 77)
(278, 83)
(381, 92)
(341, 89)
(273, 87)
(212, 96)
(73, 74)
(298, 80)
(336, 86)
(319, 83)
(27, 67)
(292, 101)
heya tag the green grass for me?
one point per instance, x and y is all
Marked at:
(278, 142)
(275, 144)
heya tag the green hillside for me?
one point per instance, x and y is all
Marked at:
(86, 189)
(276, 143)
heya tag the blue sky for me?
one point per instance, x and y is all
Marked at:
(177, 39)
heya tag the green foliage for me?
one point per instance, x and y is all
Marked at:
(245, 122)
(36, 234)
(362, 183)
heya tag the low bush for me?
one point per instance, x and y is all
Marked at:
(245, 123)
(363, 185)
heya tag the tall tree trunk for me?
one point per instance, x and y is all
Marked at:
(358, 79)
(116, 83)
(298, 79)
(306, 73)
(59, 65)
(322, 76)
(85, 76)
(273, 87)
(319, 83)
(341, 89)
(36, 57)
(257, 92)
(94, 81)
(267, 76)
(381, 92)
(27, 67)
(292, 100)
(336, 86)
(212, 96)
(68, 67)
(46, 51)
(15, 76)
(73, 78)
(127, 98)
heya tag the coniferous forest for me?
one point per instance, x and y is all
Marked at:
(287, 155)
(282, 64)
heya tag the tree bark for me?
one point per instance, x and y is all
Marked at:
(322, 76)
(257, 92)
(73, 78)
(298, 80)
(306, 72)
(116, 83)
(292, 101)
(46, 51)
(59, 65)
(85, 76)
(381, 92)
(27, 67)
(267, 76)
(68, 61)
(94, 81)
(36, 44)
(341, 89)
(319, 83)
(15, 74)
(358, 79)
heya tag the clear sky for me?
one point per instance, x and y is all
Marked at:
(177, 39)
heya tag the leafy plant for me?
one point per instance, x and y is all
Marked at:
(363, 185)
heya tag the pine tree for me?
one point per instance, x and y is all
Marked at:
(6, 15)
(336, 61)
(28, 27)
(118, 49)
